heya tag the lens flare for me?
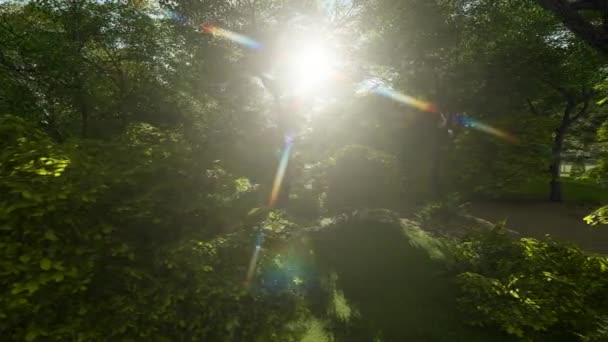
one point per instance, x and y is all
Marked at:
(254, 259)
(274, 196)
(278, 180)
(370, 86)
(235, 37)
(405, 99)
(480, 126)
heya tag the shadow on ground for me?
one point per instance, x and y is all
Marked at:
(389, 283)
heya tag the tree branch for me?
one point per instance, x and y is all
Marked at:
(566, 119)
(597, 37)
(583, 111)
(565, 93)
(586, 5)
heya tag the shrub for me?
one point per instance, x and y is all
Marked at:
(126, 241)
(530, 287)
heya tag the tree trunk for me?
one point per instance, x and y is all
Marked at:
(441, 145)
(84, 111)
(555, 194)
(436, 168)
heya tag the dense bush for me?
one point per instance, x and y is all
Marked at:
(127, 241)
(532, 288)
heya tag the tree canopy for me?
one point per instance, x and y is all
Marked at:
(269, 170)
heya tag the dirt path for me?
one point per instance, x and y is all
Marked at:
(536, 219)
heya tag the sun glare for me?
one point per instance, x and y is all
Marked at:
(309, 66)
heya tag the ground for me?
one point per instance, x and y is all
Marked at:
(536, 219)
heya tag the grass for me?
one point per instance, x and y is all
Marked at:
(573, 191)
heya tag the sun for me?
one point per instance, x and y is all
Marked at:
(308, 65)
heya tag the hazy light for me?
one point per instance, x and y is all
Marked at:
(308, 65)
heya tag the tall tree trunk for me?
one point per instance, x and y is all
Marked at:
(84, 110)
(436, 185)
(572, 102)
(441, 148)
(555, 194)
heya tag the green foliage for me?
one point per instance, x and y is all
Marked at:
(490, 167)
(531, 288)
(601, 171)
(139, 145)
(598, 217)
(435, 212)
(140, 225)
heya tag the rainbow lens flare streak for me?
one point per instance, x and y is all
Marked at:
(274, 196)
(370, 86)
(375, 88)
(405, 99)
(278, 179)
(254, 259)
(474, 124)
(233, 36)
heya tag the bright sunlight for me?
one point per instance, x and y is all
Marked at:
(308, 64)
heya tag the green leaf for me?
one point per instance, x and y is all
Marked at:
(49, 235)
(45, 264)
(242, 185)
(107, 229)
(31, 335)
(24, 258)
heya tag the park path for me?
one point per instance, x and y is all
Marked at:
(536, 219)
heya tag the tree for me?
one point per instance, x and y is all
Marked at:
(588, 19)
(540, 68)
(142, 215)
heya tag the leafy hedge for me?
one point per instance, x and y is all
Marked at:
(532, 288)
